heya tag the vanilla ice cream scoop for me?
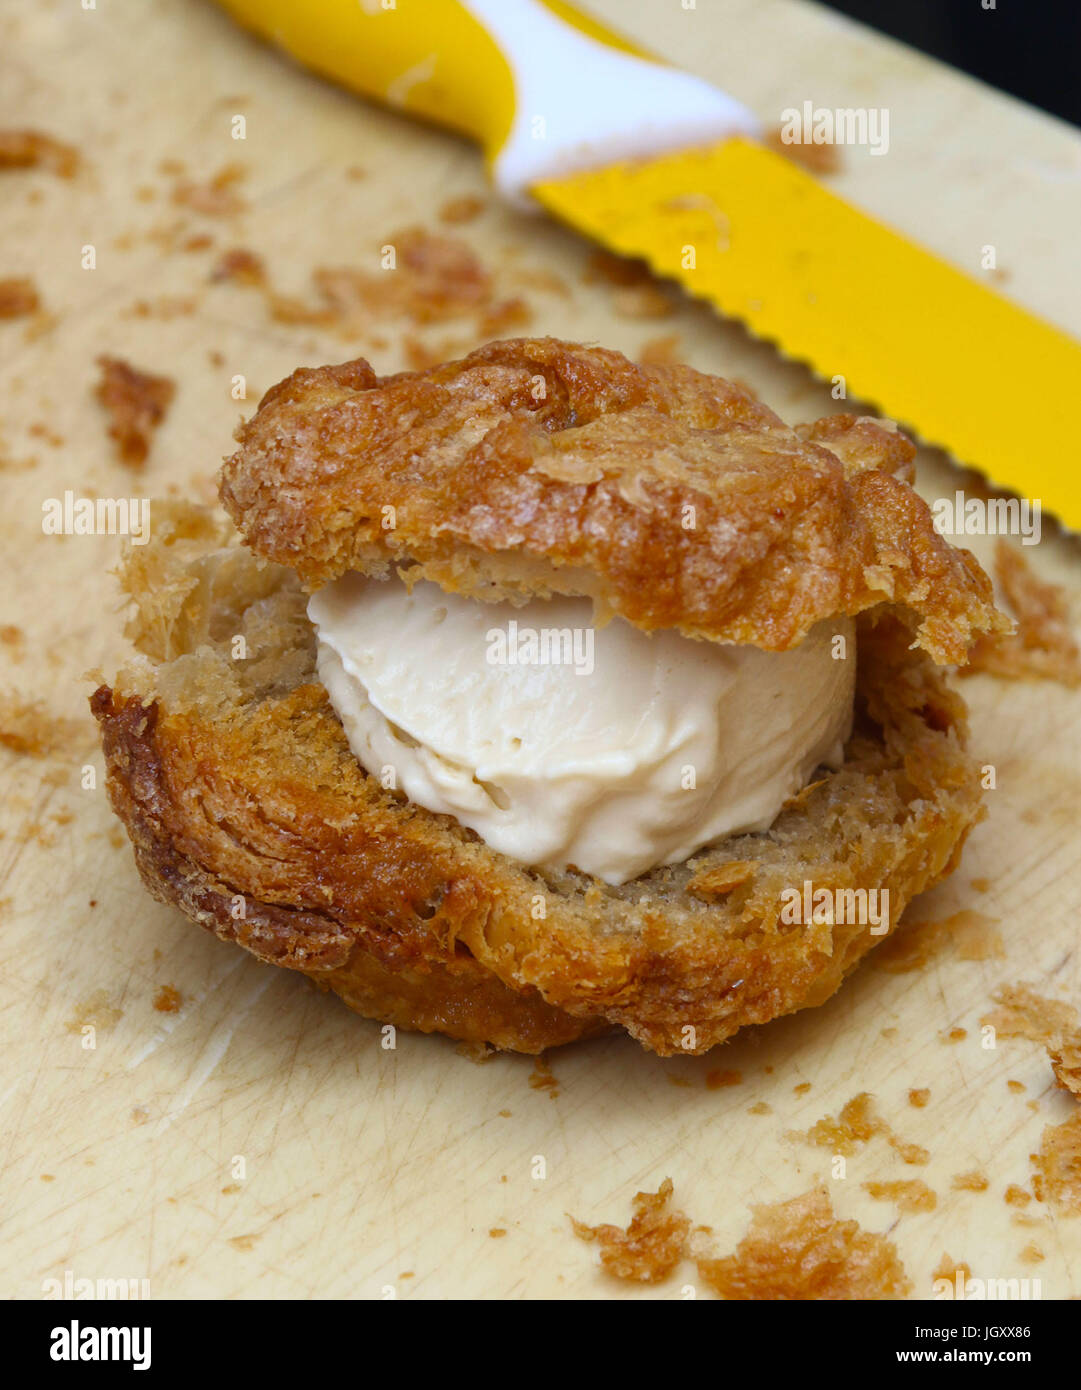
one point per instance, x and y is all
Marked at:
(563, 743)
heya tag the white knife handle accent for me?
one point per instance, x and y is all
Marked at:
(581, 103)
(546, 89)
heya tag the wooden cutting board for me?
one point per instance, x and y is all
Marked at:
(259, 1141)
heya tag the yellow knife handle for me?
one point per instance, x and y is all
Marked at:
(543, 88)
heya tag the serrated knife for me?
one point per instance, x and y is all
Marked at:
(653, 162)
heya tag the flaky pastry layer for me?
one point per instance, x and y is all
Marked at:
(535, 466)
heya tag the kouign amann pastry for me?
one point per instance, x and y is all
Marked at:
(541, 694)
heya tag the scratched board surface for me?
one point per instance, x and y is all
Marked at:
(232, 1132)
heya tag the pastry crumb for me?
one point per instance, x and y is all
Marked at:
(972, 935)
(857, 1123)
(96, 1011)
(164, 306)
(168, 1000)
(909, 1195)
(216, 197)
(800, 1250)
(18, 297)
(476, 1052)
(720, 879)
(425, 278)
(636, 293)
(605, 267)
(1043, 646)
(949, 1268)
(30, 149)
(716, 1080)
(642, 302)
(136, 403)
(239, 266)
(1057, 1177)
(1066, 1064)
(1022, 1013)
(542, 1079)
(661, 351)
(433, 278)
(465, 208)
(29, 728)
(651, 1246)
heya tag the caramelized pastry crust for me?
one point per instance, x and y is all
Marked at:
(529, 468)
(535, 466)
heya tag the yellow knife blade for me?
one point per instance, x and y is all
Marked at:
(734, 223)
(747, 229)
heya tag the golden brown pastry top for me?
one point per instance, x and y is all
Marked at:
(535, 466)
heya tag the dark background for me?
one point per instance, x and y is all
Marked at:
(1030, 48)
